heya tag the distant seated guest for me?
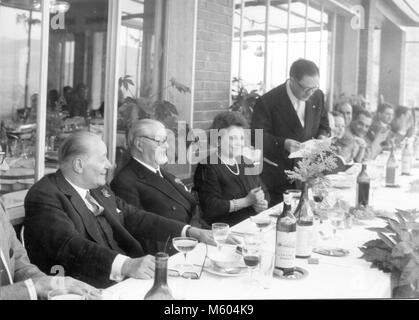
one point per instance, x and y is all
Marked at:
(381, 122)
(146, 185)
(402, 125)
(350, 147)
(79, 104)
(74, 220)
(227, 193)
(53, 97)
(21, 280)
(64, 100)
(345, 109)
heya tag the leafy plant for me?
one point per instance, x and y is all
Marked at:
(397, 251)
(243, 100)
(314, 164)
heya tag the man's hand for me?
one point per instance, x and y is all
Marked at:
(260, 205)
(381, 136)
(206, 236)
(45, 284)
(360, 142)
(139, 268)
(292, 145)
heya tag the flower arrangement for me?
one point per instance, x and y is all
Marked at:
(316, 160)
(397, 251)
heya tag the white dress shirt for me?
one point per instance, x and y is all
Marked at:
(299, 105)
(157, 170)
(116, 270)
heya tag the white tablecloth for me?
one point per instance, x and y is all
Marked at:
(332, 278)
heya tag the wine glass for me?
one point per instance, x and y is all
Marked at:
(251, 253)
(337, 220)
(220, 233)
(261, 222)
(184, 245)
(295, 198)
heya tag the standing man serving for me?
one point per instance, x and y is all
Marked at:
(289, 114)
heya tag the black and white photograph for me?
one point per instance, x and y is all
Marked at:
(221, 152)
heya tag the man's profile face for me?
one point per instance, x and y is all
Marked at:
(96, 164)
(361, 125)
(304, 88)
(386, 116)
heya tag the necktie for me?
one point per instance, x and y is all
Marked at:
(4, 277)
(159, 173)
(95, 207)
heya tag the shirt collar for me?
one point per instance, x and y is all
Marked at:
(291, 95)
(81, 191)
(152, 169)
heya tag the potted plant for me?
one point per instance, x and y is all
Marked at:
(243, 100)
(397, 251)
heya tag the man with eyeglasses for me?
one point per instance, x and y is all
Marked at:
(145, 184)
(289, 114)
(74, 220)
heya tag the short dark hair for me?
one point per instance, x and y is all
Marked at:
(362, 112)
(229, 118)
(303, 67)
(74, 145)
(66, 89)
(400, 110)
(382, 107)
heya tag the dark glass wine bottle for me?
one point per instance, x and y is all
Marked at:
(286, 239)
(160, 290)
(391, 169)
(305, 225)
(3, 139)
(407, 158)
(362, 188)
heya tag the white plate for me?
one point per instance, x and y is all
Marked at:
(210, 269)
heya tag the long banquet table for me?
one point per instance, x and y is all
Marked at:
(332, 278)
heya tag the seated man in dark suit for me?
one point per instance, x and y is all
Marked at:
(21, 280)
(144, 184)
(289, 114)
(73, 219)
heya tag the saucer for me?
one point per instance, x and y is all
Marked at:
(332, 252)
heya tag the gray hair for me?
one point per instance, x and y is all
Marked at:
(143, 127)
(75, 145)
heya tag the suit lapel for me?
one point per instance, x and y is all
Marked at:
(81, 208)
(155, 181)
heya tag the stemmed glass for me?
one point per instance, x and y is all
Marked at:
(184, 245)
(295, 198)
(261, 222)
(251, 253)
(220, 233)
(337, 220)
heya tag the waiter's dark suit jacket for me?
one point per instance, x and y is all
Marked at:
(275, 114)
(145, 189)
(60, 230)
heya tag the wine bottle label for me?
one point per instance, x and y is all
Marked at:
(391, 176)
(304, 245)
(285, 249)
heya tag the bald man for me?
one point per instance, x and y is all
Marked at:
(73, 219)
(145, 184)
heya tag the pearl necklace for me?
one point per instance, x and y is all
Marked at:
(237, 166)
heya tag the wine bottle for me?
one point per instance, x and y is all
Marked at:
(286, 239)
(362, 188)
(305, 226)
(391, 169)
(416, 148)
(160, 290)
(406, 159)
(3, 139)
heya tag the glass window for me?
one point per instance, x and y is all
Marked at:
(76, 74)
(411, 75)
(20, 43)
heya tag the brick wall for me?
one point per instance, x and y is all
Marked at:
(213, 60)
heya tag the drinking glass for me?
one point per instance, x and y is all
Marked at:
(184, 245)
(267, 264)
(220, 233)
(337, 221)
(251, 253)
(261, 222)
